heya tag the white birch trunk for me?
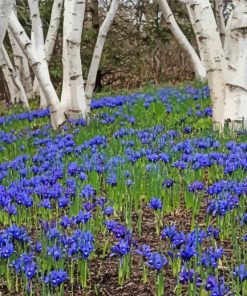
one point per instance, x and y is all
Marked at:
(104, 28)
(21, 63)
(13, 91)
(73, 95)
(42, 73)
(17, 91)
(53, 28)
(182, 40)
(6, 7)
(51, 34)
(236, 89)
(219, 6)
(38, 42)
(21, 66)
(212, 54)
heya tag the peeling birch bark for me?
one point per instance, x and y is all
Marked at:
(42, 73)
(236, 43)
(38, 43)
(98, 51)
(73, 95)
(51, 34)
(212, 54)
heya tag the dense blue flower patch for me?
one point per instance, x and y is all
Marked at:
(147, 185)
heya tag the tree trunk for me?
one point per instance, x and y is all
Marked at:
(219, 6)
(179, 36)
(17, 91)
(73, 95)
(6, 7)
(21, 64)
(51, 34)
(42, 73)
(13, 91)
(98, 51)
(95, 13)
(212, 54)
(88, 23)
(236, 43)
(38, 43)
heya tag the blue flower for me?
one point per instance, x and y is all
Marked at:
(112, 180)
(213, 232)
(66, 222)
(56, 278)
(157, 261)
(83, 176)
(54, 252)
(169, 232)
(122, 248)
(82, 217)
(243, 220)
(188, 252)
(196, 186)
(189, 276)
(38, 247)
(110, 224)
(155, 203)
(88, 191)
(73, 169)
(187, 130)
(144, 251)
(128, 182)
(63, 202)
(11, 210)
(210, 257)
(178, 239)
(180, 164)
(108, 211)
(240, 272)
(45, 203)
(6, 251)
(120, 231)
(30, 270)
(18, 233)
(211, 283)
(167, 183)
(217, 287)
(85, 243)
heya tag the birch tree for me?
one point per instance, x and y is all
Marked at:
(16, 89)
(5, 11)
(38, 42)
(236, 43)
(51, 35)
(21, 63)
(13, 91)
(219, 6)
(104, 28)
(73, 94)
(224, 56)
(212, 54)
(198, 67)
(42, 73)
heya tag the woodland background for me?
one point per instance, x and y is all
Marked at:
(139, 47)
